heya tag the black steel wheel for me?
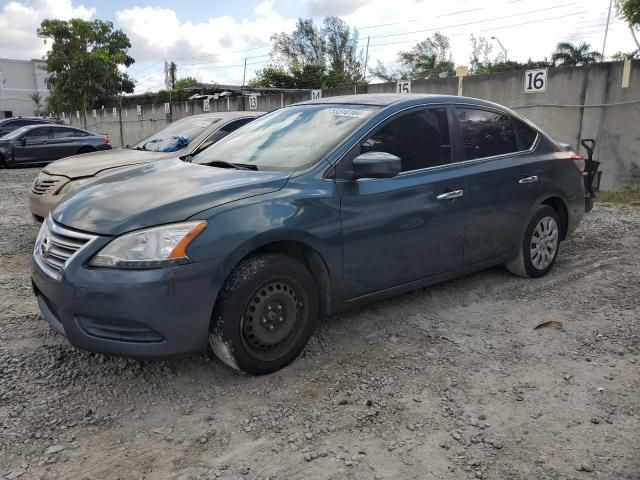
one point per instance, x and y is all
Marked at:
(265, 313)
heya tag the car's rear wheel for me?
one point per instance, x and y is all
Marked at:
(540, 245)
(86, 150)
(3, 163)
(265, 314)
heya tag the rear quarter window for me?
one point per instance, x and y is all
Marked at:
(527, 134)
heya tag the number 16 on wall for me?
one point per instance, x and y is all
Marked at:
(535, 81)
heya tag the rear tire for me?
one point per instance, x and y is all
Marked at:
(540, 245)
(86, 150)
(3, 163)
(265, 314)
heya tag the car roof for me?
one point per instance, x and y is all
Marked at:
(55, 125)
(386, 99)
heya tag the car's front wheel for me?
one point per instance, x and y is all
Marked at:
(265, 314)
(540, 245)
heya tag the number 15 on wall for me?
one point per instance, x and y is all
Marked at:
(535, 81)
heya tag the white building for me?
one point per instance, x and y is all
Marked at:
(18, 80)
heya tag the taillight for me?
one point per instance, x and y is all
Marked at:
(105, 140)
(578, 161)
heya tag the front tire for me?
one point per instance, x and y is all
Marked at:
(540, 245)
(265, 314)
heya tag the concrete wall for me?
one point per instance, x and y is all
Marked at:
(579, 102)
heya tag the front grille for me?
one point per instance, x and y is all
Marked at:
(45, 183)
(56, 245)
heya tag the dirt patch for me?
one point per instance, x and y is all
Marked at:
(449, 382)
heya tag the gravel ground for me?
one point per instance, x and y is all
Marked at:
(449, 382)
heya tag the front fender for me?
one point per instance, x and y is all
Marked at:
(236, 229)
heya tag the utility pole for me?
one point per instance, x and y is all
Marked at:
(606, 30)
(366, 59)
(244, 75)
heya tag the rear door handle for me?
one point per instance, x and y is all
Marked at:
(450, 195)
(531, 179)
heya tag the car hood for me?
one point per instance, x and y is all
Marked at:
(89, 164)
(160, 192)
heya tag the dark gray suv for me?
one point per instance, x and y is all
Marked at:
(308, 210)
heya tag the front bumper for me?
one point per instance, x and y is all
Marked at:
(144, 314)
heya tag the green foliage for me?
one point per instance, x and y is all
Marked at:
(509, 66)
(185, 82)
(628, 195)
(83, 62)
(37, 99)
(569, 54)
(313, 57)
(630, 11)
(426, 59)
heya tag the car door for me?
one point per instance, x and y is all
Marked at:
(32, 147)
(65, 142)
(401, 229)
(502, 182)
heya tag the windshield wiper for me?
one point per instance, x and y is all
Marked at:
(237, 166)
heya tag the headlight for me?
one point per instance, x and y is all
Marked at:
(71, 186)
(150, 248)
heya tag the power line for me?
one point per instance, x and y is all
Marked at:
(397, 34)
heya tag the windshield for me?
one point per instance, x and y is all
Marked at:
(176, 135)
(291, 138)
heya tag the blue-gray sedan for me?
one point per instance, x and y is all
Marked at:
(308, 210)
(42, 144)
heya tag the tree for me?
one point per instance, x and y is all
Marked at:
(84, 62)
(630, 11)
(273, 76)
(568, 54)
(37, 99)
(185, 82)
(426, 59)
(313, 57)
(480, 50)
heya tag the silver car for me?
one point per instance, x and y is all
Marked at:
(187, 136)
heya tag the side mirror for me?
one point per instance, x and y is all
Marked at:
(376, 165)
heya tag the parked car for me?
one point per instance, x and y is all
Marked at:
(38, 144)
(308, 210)
(180, 138)
(8, 125)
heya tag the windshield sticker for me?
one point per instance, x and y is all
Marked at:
(349, 112)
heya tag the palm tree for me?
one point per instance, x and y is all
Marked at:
(37, 99)
(569, 54)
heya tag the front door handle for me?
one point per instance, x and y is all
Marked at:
(450, 195)
(531, 179)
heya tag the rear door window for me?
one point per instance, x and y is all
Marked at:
(66, 133)
(420, 139)
(485, 133)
